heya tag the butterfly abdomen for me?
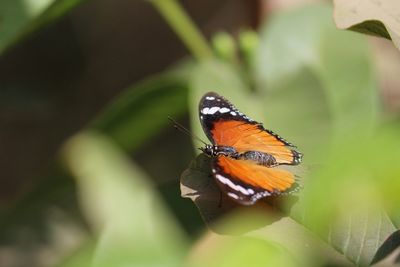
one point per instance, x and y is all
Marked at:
(260, 158)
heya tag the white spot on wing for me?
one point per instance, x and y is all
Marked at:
(205, 110)
(224, 110)
(213, 110)
(229, 183)
(210, 97)
(233, 113)
(232, 195)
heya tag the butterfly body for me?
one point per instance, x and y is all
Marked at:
(257, 157)
(245, 156)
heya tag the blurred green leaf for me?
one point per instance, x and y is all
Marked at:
(143, 109)
(184, 27)
(248, 44)
(356, 187)
(19, 18)
(374, 17)
(81, 257)
(318, 81)
(308, 248)
(225, 47)
(133, 226)
(240, 251)
(285, 242)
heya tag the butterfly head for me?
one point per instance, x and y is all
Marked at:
(208, 150)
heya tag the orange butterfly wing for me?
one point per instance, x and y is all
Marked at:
(246, 182)
(246, 136)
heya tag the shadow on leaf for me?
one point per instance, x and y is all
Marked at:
(389, 249)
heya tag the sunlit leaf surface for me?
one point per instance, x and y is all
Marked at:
(375, 17)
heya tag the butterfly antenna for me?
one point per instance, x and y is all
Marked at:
(182, 128)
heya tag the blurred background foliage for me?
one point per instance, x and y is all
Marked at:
(91, 166)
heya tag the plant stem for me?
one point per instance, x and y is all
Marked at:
(184, 27)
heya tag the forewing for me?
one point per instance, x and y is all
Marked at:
(247, 182)
(214, 108)
(225, 125)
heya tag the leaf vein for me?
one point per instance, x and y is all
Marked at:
(362, 243)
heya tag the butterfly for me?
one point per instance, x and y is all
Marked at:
(245, 157)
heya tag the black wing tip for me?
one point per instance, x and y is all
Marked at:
(211, 94)
(297, 157)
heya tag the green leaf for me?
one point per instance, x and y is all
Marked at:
(143, 109)
(284, 242)
(225, 47)
(20, 18)
(184, 27)
(240, 251)
(81, 257)
(360, 235)
(134, 227)
(374, 17)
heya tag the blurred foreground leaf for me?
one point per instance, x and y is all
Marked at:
(143, 109)
(133, 226)
(374, 17)
(81, 257)
(284, 242)
(348, 199)
(219, 251)
(20, 18)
